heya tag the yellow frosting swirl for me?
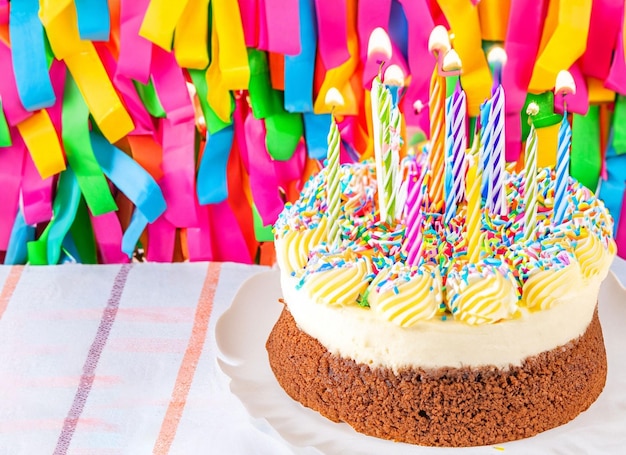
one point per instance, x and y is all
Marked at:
(341, 283)
(591, 255)
(482, 297)
(404, 298)
(545, 288)
(293, 249)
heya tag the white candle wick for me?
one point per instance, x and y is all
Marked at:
(532, 109)
(418, 106)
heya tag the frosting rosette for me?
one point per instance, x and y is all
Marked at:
(551, 282)
(513, 274)
(294, 247)
(592, 255)
(545, 270)
(337, 279)
(481, 293)
(404, 295)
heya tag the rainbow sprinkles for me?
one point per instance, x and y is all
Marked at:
(466, 314)
(496, 245)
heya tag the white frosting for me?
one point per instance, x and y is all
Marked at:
(357, 333)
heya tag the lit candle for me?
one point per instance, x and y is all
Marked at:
(414, 216)
(473, 219)
(379, 44)
(439, 45)
(530, 177)
(333, 174)
(394, 80)
(564, 85)
(456, 143)
(496, 196)
(483, 157)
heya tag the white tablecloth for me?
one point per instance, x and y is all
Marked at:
(104, 360)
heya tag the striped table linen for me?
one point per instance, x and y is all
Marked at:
(119, 359)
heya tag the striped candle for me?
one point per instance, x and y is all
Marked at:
(484, 154)
(456, 143)
(381, 119)
(394, 81)
(437, 141)
(333, 184)
(473, 219)
(530, 184)
(478, 151)
(496, 195)
(562, 171)
(414, 215)
(391, 162)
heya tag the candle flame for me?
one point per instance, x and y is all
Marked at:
(532, 109)
(451, 62)
(565, 83)
(333, 97)
(497, 56)
(379, 43)
(394, 76)
(439, 40)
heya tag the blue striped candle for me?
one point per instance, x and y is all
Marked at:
(496, 196)
(562, 171)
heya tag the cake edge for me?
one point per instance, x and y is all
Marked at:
(453, 407)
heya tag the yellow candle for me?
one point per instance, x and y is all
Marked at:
(473, 219)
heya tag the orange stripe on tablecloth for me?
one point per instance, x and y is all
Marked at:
(190, 360)
(9, 286)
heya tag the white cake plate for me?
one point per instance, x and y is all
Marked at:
(242, 331)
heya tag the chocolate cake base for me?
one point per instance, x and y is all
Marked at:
(443, 407)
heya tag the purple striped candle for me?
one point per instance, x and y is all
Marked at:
(456, 143)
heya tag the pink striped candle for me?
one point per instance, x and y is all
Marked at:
(414, 216)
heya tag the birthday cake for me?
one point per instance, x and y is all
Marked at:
(459, 322)
(447, 353)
